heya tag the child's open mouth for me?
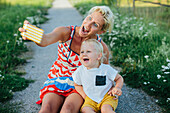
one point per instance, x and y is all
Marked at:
(85, 59)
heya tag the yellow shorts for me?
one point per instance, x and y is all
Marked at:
(97, 106)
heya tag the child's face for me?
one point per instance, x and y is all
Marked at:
(92, 25)
(89, 56)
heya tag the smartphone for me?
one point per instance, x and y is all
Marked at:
(33, 33)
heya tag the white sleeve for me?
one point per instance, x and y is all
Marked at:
(77, 76)
(112, 73)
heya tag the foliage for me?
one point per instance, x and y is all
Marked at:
(35, 3)
(10, 84)
(9, 108)
(158, 15)
(11, 43)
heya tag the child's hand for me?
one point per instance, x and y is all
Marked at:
(23, 30)
(115, 92)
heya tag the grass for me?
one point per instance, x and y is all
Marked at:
(13, 13)
(31, 3)
(158, 15)
(10, 108)
(140, 46)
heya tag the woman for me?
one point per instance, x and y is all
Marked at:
(58, 91)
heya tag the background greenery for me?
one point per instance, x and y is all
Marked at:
(139, 44)
(12, 15)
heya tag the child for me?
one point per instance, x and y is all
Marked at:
(96, 79)
(58, 91)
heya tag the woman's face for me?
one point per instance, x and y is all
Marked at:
(89, 56)
(92, 25)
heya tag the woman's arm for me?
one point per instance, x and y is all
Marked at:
(80, 90)
(106, 53)
(58, 34)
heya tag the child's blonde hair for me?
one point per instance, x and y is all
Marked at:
(98, 47)
(107, 14)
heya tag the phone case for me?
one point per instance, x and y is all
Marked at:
(33, 33)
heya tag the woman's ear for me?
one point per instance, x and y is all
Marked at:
(101, 32)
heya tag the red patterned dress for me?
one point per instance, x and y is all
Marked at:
(60, 79)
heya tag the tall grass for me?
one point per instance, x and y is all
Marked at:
(158, 15)
(141, 48)
(12, 15)
(152, 12)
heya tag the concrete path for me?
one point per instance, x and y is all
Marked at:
(63, 14)
(37, 68)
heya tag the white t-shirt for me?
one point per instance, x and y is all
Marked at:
(96, 82)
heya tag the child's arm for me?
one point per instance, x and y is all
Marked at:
(80, 90)
(58, 34)
(116, 90)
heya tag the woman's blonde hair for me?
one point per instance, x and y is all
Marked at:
(107, 14)
(98, 47)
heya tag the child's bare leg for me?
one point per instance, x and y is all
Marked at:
(51, 103)
(106, 108)
(87, 110)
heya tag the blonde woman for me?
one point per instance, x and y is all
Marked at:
(58, 91)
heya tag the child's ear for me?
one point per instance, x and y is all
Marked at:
(99, 56)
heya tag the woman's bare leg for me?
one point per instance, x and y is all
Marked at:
(51, 103)
(72, 104)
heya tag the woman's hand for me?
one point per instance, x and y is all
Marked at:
(23, 30)
(80, 90)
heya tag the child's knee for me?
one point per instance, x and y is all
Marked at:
(87, 110)
(107, 108)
